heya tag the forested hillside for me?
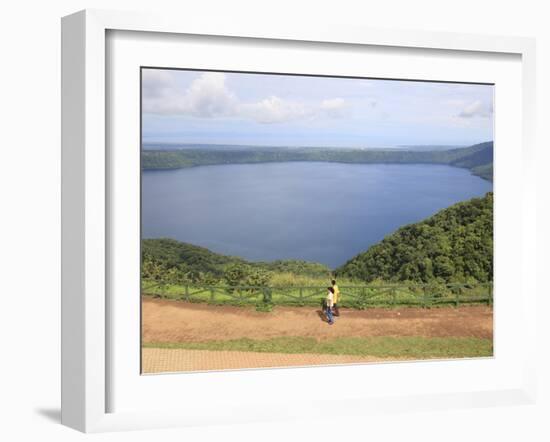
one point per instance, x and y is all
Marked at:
(170, 260)
(474, 156)
(468, 157)
(455, 245)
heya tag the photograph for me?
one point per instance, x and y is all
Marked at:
(292, 220)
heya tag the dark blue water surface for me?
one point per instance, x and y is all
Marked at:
(324, 212)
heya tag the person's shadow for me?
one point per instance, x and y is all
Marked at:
(322, 315)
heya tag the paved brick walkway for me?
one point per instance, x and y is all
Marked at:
(158, 360)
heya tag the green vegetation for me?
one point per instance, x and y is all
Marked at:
(170, 261)
(357, 296)
(446, 259)
(485, 171)
(383, 347)
(469, 157)
(454, 245)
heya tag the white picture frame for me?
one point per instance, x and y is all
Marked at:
(86, 207)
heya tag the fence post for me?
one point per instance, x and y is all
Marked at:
(301, 296)
(393, 297)
(490, 297)
(267, 296)
(186, 292)
(360, 300)
(424, 302)
(212, 294)
(457, 297)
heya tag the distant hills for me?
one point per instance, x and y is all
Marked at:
(147, 145)
(429, 147)
(456, 244)
(477, 158)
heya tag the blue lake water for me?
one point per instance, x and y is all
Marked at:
(323, 212)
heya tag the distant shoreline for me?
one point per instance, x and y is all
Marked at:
(169, 146)
(477, 158)
(309, 161)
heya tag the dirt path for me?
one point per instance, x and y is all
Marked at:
(173, 321)
(158, 360)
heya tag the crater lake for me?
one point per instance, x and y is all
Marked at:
(313, 211)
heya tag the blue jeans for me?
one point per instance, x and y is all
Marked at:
(328, 312)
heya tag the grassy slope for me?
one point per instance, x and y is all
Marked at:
(413, 347)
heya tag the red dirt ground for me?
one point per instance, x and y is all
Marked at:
(176, 321)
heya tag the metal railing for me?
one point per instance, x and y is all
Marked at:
(353, 296)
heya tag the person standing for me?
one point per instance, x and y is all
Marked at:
(330, 305)
(336, 292)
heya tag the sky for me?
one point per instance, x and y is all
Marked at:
(198, 107)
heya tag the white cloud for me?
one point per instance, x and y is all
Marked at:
(274, 110)
(476, 109)
(335, 107)
(206, 97)
(209, 97)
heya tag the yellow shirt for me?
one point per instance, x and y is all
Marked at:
(336, 293)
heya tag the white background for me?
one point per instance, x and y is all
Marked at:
(30, 217)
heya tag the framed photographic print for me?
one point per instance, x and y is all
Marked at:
(249, 251)
(248, 213)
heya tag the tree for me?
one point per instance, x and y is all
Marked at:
(235, 275)
(454, 245)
